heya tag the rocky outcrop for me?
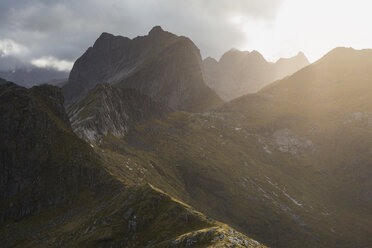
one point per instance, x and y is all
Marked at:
(241, 72)
(162, 65)
(108, 110)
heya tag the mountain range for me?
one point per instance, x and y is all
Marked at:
(240, 72)
(162, 65)
(29, 76)
(145, 154)
(59, 193)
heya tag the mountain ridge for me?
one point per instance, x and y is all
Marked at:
(241, 72)
(162, 65)
(29, 76)
(60, 193)
(289, 165)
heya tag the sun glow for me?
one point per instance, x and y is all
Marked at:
(313, 27)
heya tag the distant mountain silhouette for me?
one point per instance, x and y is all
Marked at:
(30, 76)
(241, 72)
(162, 65)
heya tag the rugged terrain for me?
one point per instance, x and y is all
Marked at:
(146, 145)
(109, 110)
(240, 72)
(288, 166)
(161, 65)
(57, 192)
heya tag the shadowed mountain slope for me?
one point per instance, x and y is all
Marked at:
(38, 168)
(162, 65)
(56, 191)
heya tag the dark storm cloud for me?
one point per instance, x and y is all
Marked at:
(65, 28)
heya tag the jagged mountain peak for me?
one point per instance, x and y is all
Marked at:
(105, 36)
(235, 57)
(241, 72)
(210, 59)
(299, 57)
(301, 54)
(156, 30)
(110, 41)
(256, 53)
(162, 65)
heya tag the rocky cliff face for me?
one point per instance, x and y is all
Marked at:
(241, 72)
(287, 66)
(43, 163)
(108, 110)
(162, 65)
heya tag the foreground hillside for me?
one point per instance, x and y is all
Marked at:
(288, 166)
(57, 192)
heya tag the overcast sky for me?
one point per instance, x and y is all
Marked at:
(56, 32)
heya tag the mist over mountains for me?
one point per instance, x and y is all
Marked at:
(148, 145)
(31, 76)
(26, 74)
(240, 72)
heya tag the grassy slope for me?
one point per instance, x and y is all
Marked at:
(78, 203)
(140, 216)
(289, 166)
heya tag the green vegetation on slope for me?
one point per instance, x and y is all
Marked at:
(56, 192)
(289, 166)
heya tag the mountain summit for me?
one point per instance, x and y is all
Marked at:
(161, 65)
(156, 30)
(241, 72)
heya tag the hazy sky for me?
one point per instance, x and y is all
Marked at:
(56, 32)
